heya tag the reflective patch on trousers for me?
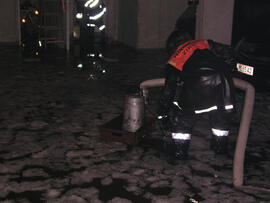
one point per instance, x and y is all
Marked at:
(181, 136)
(227, 107)
(206, 110)
(220, 133)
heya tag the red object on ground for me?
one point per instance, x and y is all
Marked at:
(112, 131)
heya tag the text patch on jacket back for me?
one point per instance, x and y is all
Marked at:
(184, 52)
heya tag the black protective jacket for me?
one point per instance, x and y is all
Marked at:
(207, 81)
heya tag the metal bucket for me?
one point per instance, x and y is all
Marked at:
(133, 112)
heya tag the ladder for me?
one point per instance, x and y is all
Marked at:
(52, 23)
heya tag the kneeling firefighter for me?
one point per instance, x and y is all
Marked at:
(201, 65)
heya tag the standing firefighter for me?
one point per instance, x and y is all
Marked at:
(207, 89)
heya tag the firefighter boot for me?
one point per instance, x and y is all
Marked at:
(219, 141)
(181, 148)
(219, 144)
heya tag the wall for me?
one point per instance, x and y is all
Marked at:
(128, 29)
(111, 19)
(142, 24)
(156, 20)
(9, 22)
(121, 21)
(214, 20)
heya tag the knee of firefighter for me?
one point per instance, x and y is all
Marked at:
(181, 124)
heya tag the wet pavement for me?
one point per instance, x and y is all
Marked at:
(51, 151)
